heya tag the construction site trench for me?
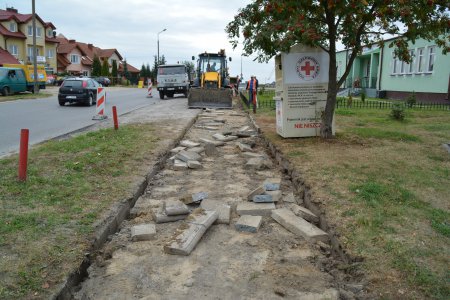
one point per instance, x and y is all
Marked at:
(263, 255)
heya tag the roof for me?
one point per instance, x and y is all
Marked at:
(6, 15)
(107, 53)
(62, 60)
(7, 58)
(130, 68)
(6, 32)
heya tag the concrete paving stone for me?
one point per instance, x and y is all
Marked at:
(219, 136)
(160, 216)
(177, 149)
(143, 232)
(289, 198)
(262, 199)
(304, 213)
(223, 209)
(255, 209)
(189, 144)
(197, 197)
(298, 225)
(188, 155)
(253, 155)
(244, 147)
(197, 149)
(258, 163)
(276, 195)
(244, 128)
(244, 134)
(272, 184)
(258, 191)
(220, 120)
(210, 149)
(175, 207)
(193, 164)
(179, 165)
(189, 234)
(215, 143)
(248, 223)
(212, 124)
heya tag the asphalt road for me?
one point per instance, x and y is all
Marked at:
(46, 119)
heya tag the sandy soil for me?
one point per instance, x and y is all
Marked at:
(270, 264)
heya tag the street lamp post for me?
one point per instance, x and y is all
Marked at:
(158, 41)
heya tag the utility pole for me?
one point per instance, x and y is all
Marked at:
(157, 41)
(36, 85)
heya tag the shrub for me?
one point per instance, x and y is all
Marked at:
(398, 112)
(411, 100)
(363, 97)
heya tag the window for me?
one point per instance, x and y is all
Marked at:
(13, 49)
(431, 54)
(394, 64)
(85, 73)
(402, 66)
(75, 59)
(38, 31)
(12, 27)
(30, 52)
(50, 53)
(420, 60)
(410, 68)
(50, 33)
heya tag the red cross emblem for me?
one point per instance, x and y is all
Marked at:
(307, 68)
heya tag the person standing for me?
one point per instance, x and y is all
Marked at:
(252, 87)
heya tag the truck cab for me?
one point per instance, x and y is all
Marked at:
(173, 79)
(12, 80)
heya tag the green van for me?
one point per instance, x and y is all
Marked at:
(12, 80)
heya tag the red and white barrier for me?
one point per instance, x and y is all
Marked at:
(101, 102)
(149, 89)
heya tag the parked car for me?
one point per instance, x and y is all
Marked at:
(78, 90)
(104, 81)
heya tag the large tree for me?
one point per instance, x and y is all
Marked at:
(114, 69)
(269, 27)
(105, 68)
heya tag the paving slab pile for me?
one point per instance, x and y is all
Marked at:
(224, 229)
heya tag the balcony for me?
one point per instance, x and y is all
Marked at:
(39, 59)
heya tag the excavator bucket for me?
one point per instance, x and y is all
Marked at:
(210, 98)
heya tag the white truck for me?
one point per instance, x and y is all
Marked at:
(173, 79)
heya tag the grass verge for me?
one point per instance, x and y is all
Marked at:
(385, 187)
(26, 95)
(47, 222)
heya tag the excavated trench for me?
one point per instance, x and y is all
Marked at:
(272, 263)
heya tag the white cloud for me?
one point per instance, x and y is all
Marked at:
(131, 26)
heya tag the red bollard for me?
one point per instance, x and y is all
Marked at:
(116, 121)
(23, 154)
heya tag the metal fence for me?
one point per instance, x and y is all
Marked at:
(265, 101)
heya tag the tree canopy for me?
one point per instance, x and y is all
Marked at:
(96, 67)
(268, 27)
(105, 68)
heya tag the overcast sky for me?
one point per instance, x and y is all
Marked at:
(131, 26)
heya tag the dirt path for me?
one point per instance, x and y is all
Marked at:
(226, 264)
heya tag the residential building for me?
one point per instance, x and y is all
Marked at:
(378, 73)
(77, 58)
(16, 37)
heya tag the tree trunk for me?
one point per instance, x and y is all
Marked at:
(326, 130)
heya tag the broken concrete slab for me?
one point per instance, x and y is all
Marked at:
(188, 155)
(179, 165)
(304, 213)
(262, 199)
(220, 120)
(258, 163)
(272, 184)
(244, 128)
(160, 216)
(248, 223)
(175, 207)
(197, 197)
(189, 144)
(276, 195)
(177, 149)
(299, 226)
(189, 234)
(255, 209)
(244, 134)
(223, 138)
(197, 149)
(193, 164)
(258, 191)
(223, 209)
(210, 149)
(143, 232)
(244, 147)
(215, 143)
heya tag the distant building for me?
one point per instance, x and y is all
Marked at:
(378, 73)
(16, 37)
